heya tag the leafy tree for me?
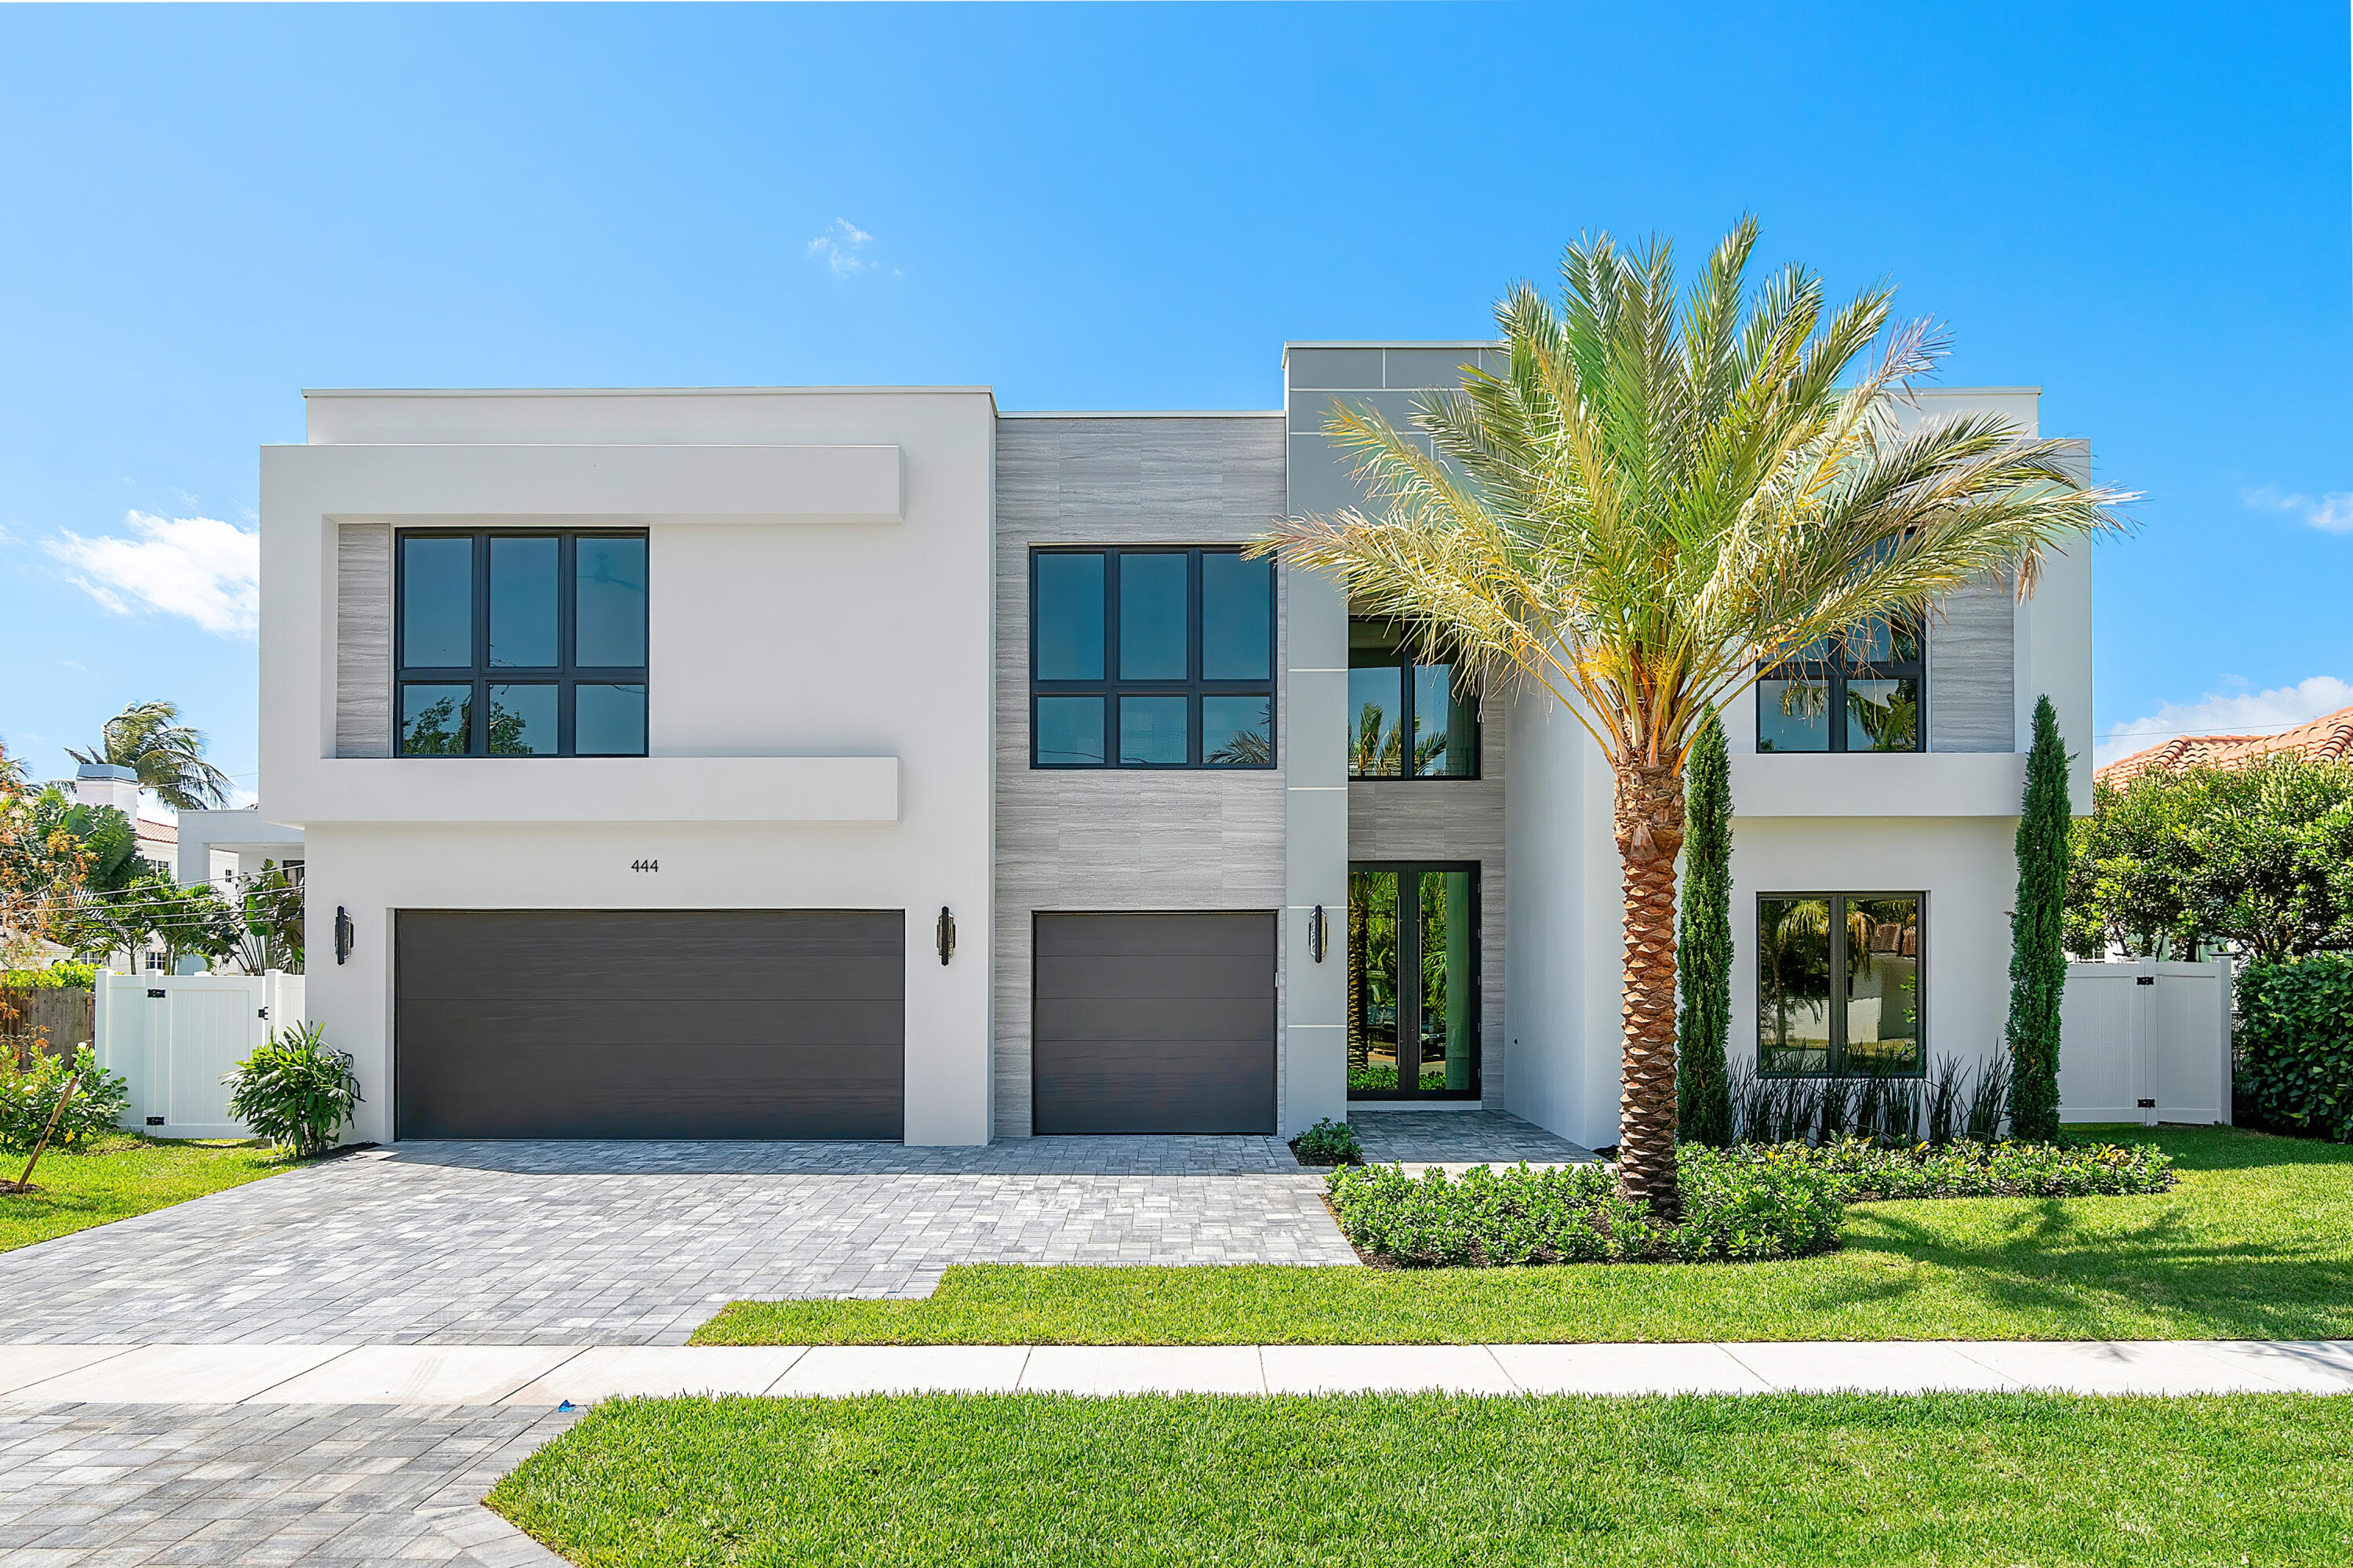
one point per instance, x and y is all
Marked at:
(2259, 859)
(1661, 492)
(167, 756)
(42, 873)
(2038, 953)
(1704, 944)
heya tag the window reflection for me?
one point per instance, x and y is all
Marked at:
(522, 604)
(1237, 732)
(610, 720)
(1237, 618)
(436, 720)
(1151, 617)
(522, 720)
(1070, 732)
(1408, 718)
(437, 603)
(609, 581)
(1152, 731)
(1857, 692)
(1838, 984)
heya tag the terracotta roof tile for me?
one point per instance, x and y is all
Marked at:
(2329, 739)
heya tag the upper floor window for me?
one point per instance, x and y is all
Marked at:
(1407, 718)
(520, 644)
(1151, 658)
(1859, 691)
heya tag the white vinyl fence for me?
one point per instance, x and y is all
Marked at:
(173, 1036)
(2146, 1042)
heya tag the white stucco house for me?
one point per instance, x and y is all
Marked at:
(875, 763)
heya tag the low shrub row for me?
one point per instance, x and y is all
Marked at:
(1864, 1171)
(2294, 1044)
(1749, 1204)
(1734, 1210)
(60, 976)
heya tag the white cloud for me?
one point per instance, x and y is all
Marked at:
(2331, 513)
(843, 247)
(2239, 713)
(201, 567)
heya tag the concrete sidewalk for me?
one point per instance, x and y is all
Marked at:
(526, 1376)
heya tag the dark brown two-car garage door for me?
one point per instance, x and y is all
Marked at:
(650, 1023)
(1153, 1024)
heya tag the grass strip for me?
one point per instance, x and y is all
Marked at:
(1954, 1481)
(117, 1180)
(2257, 1242)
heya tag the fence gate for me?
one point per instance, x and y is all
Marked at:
(172, 1037)
(2146, 1042)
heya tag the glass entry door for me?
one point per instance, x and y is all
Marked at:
(1413, 980)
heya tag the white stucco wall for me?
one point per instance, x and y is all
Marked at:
(819, 712)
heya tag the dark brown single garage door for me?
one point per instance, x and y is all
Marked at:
(649, 1023)
(1153, 1024)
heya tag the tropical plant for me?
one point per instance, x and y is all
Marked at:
(30, 1093)
(296, 1089)
(1329, 1142)
(1658, 496)
(104, 838)
(2257, 858)
(2294, 1044)
(1704, 944)
(2038, 952)
(43, 871)
(270, 932)
(167, 756)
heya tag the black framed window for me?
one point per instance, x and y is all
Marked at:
(1151, 657)
(522, 643)
(1838, 984)
(1413, 979)
(1408, 718)
(1859, 691)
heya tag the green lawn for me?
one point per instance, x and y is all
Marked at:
(2255, 1243)
(75, 1191)
(1957, 1481)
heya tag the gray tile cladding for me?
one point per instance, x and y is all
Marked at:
(1113, 840)
(363, 639)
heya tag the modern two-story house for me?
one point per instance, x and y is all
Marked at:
(873, 763)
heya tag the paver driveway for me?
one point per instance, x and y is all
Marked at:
(588, 1244)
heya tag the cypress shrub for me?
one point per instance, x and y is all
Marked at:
(2038, 953)
(1704, 944)
(2295, 1044)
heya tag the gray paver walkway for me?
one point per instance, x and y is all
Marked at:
(1455, 1138)
(260, 1484)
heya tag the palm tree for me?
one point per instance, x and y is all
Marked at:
(1662, 495)
(168, 756)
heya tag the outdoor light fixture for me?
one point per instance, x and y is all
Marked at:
(947, 933)
(1317, 937)
(342, 934)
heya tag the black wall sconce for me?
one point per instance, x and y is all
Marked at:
(1318, 935)
(945, 932)
(342, 934)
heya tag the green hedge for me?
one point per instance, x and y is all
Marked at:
(2294, 1043)
(1733, 1211)
(1864, 1172)
(56, 977)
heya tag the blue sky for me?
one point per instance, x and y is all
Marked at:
(2142, 208)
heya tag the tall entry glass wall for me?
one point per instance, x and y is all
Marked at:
(1413, 982)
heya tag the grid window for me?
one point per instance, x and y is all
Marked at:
(1154, 657)
(1859, 691)
(1408, 718)
(1838, 984)
(520, 644)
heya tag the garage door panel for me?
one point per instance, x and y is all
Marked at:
(700, 1090)
(1089, 1019)
(658, 1024)
(775, 980)
(1199, 1087)
(1153, 1024)
(1154, 936)
(654, 953)
(1174, 979)
(477, 1026)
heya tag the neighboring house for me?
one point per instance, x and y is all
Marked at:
(103, 784)
(870, 763)
(2329, 739)
(229, 849)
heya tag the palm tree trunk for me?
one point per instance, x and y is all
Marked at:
(1650, 828)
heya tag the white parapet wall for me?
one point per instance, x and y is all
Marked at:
(2146, 1042)
(173, 1037)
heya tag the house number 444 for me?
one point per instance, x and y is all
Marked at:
(644, 866)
